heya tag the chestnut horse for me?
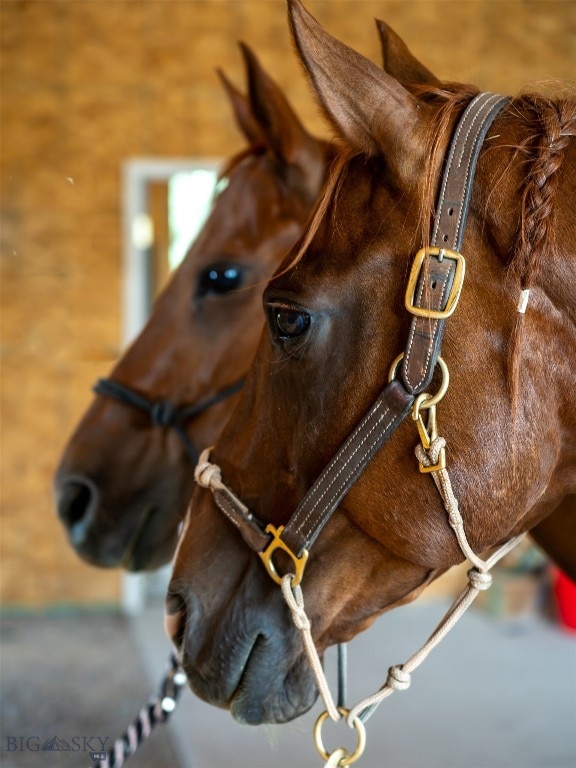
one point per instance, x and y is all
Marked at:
(122, 487)
(336, 319)
(125, 477)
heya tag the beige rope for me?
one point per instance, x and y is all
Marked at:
(334, 761)
(430, 458)
(399, 676)
(295, 601)
(209, 476)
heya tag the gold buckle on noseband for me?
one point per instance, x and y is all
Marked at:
(454, 295)
(277, 543)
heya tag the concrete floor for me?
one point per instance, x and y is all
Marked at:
(496, 694)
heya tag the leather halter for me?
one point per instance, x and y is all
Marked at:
(432, 294)
(162, 412)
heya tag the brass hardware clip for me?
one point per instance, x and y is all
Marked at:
(277, 543)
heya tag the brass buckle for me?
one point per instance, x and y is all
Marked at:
(454, 295)
(277, 543)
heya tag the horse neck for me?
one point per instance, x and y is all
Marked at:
(524, 201)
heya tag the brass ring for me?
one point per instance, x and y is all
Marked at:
(429, 400)
(348, 759)
(394, 367)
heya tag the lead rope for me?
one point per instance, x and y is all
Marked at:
(399, 676)
(157, 711)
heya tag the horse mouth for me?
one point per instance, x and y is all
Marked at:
(290, 692)
(136, 556)
(242, 707)
(255, 687)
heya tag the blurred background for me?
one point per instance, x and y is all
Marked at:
(104, 106)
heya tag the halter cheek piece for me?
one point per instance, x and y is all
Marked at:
(432, 294)
(163, 413)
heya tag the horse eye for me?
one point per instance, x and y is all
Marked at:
(219, 279)
(291, 323)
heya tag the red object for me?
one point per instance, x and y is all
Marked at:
(565, 592)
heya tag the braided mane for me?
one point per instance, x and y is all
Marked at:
(552, 124)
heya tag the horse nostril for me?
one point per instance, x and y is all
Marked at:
(77, 500)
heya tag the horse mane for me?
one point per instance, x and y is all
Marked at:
(551, 124)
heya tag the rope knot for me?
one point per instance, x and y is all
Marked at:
(430, 456)
(480, 580)
(162, 413)
(295, 600)
(398, 679)
(206, 474)
(300, 619)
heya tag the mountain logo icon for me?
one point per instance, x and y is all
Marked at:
(56, 744)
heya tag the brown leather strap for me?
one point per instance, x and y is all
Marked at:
(437, 275)
(249, 526)
(347, 465)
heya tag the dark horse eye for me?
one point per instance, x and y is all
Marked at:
(291, 322)
(219, 279)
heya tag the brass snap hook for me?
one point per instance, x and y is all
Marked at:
(428, 431)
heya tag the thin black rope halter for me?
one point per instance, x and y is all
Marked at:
(164, 413)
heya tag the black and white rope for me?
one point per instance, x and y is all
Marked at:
(158, 710)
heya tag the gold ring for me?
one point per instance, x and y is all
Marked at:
(348, 759)
(429, 400)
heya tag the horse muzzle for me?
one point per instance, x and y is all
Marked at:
(250, 661)
(134, 539)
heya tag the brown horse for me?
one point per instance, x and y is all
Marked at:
(335, 322)
(125, 477)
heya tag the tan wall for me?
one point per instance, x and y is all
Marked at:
(86, 85)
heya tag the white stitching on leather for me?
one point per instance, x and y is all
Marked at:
(487, 108)
(430, 346)
(343, 467)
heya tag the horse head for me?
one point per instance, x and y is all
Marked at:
(335, 321)
(125, 477)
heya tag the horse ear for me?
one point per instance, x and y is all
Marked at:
(367, 106)
(242, 110)
(283, 132)
(399, 62)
